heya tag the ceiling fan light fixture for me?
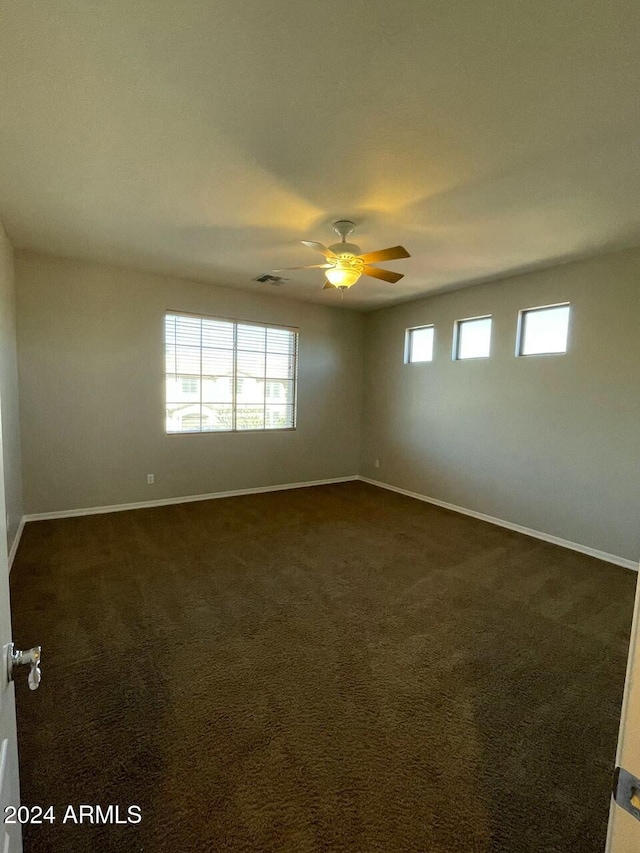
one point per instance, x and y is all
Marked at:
(344, 276)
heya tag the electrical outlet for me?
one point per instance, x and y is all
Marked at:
(151, 478)
(377, 463)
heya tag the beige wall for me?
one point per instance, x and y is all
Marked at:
(551, 443)
(548, 442)
(92, 397)
(9, 391)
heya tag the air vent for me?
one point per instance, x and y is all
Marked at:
(273, 280)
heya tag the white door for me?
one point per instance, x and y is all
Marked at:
(10, 833)
(624, 820)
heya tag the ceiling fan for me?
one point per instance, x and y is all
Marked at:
(344, 263)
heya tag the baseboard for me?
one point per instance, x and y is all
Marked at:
(509, 525)
(16, 541)
(98, 510)
(500, 522)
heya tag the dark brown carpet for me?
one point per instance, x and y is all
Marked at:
(328, 669)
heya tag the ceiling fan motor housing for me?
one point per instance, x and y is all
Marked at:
(345, 249)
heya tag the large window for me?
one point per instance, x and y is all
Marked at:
(543, 331)
(226, 376)
(418, 344)
(472, 338)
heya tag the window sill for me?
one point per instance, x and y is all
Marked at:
(232, 431)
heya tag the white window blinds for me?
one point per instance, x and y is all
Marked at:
(224, 376)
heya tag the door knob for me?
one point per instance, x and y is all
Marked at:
(30, 658)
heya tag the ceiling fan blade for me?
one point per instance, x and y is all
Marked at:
(384, 275)
(392, 254)
(319, 247)
(308, 267)
(328, 284)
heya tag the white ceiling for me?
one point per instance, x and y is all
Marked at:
(205, 138)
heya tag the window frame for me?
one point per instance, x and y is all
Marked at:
(236, 321)
(407, 343)
(520, 330)
(455, 350)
